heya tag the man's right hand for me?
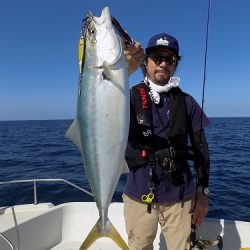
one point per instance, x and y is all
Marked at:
(134, 54)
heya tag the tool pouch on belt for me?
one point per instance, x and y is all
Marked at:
(172, 171)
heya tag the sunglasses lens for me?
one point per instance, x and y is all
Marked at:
(170, 60)
(158, 59)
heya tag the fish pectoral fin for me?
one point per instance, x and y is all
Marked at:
(107, 72)
(73, 133)
(109, 231)
(125, 169)
(108, 75)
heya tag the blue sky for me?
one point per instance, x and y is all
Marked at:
(39, 41)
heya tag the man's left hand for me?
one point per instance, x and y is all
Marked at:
(199, 208)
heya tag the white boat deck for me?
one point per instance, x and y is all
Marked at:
(64, 227)
(22, 212)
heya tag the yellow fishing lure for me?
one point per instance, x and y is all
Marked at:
(81, 53)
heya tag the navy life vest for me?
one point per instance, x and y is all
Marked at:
(179, 123)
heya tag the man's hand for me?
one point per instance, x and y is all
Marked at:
(200, 209)
(134, 54)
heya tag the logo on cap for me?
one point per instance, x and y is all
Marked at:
(163, 42)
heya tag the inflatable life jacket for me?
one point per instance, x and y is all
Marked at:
(179, 125)
(173, 158)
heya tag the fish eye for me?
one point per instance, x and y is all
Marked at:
(92, 31)
(92, 35)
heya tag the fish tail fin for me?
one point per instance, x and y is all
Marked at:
(93, 235)
(109, 231)
(116, 237)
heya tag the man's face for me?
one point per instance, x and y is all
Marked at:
(161, 65)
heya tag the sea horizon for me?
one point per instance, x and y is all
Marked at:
(61, 119)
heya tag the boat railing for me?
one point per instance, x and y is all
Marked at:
(35, 181)
(16, 228)
(8, 242)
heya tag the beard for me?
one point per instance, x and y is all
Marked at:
(161, 77)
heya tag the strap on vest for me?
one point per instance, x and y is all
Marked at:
(143, 110)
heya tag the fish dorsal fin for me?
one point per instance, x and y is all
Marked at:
(73, 133)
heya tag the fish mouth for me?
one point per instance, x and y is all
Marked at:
(106, 18)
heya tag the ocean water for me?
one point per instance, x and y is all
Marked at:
(38, 149)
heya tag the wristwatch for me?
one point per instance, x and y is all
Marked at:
(203, 190)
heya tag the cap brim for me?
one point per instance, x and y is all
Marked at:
(150, 49)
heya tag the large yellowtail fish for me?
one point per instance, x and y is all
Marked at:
(100, 129)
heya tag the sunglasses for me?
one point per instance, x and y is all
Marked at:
(158, 59)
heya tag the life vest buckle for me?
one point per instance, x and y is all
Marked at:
(172, 152)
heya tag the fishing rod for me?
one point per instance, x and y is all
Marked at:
(205, 59)
(202, 244)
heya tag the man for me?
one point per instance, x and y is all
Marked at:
(163, 119)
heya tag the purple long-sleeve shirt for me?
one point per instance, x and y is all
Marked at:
(138, 178)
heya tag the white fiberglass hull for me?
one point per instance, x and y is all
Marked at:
(64, 227)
